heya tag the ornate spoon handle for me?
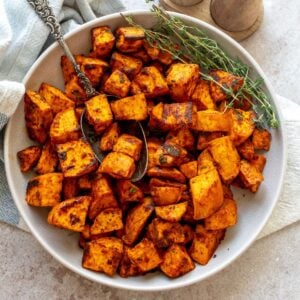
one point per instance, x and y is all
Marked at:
(45, 12)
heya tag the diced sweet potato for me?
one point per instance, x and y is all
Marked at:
(118, 165)
(70, 188)
(224, 217)
(44, 190)
(109, 137)
(130, 145)
(165, 195)
(65, 127)
(157, 54)
(108, 220)
(127, 268)
(129, 39)
(164, 183)
(167, 173)
(117, 84)
(76, 158)
(48, 160)
(189, 169)
(182, 80)
(127, 191)
(130, 108)
(67, 67)
(102, 196)
(226, 157)
(205, 162)
(99, 113)
(150, 82)
(29, 157)
(136, 220)
(171, 213)
(261, 139)
(131, 66)
(226, 80)
(142, 55)
(103, 255)
(84, 182)
(57, 100)
(201, 96)
(176, 261)
(144, 255)
(259, 162)
(70, 214)
(212, 120)
(205, 137)
(75, 91)
(246, 150)
(103, 41)
(38, 116)
(183, 137)
(250, 176)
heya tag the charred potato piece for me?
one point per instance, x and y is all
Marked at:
(142, 55)
(205, 137)
(183, 137)
(38, 116)
(150, 82)
(75, 91)
(176, 261)
(57, 100)
(103, 255)
(259, 162)
(70, 214)
(201, 96)
(130, 108)
(103, 41)
(76, 158)
(173, 212)
(117, 84)
(44, 190)
(28, 157)
(144, 255)
(118, 165)
(182, 80)
(212, 120)
(129, 39)
(261, 139)
(130, 145)
(70, 188)
(246, 150)
(167, 173)
(136, 220)
(165, 195)
(84, 182)
(48, 160)
(127, 191)
(226, 157)
(65, 127)
(99, 113)
(189, 169)
(127, 268)
(108, 220)
(109, 137)
(250, 176)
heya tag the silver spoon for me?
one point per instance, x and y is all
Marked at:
(45, 12)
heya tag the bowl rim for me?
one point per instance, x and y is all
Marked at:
(168, 286)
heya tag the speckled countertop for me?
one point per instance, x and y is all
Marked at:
(270, 268)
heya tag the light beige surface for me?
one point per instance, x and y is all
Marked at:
(270, 269)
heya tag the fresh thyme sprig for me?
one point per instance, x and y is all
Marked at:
(190, 44)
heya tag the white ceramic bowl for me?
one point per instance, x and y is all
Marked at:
(253, 209)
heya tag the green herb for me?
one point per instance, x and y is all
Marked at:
(132, 190)
(162, 159)
(190, 44)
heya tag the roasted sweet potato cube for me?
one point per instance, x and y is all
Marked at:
(129, 39)
(136, 220)
(109, 137)
(250, 176)
(176, 261)
(246, 150)
(70, 214)
(201, 96)
(127, 268)
(259, 162)
(117, 84)
(103, 255)
(241, 125)
(108, 220)
(226, 80)
(144, 255)
(165, 195)
(75, 91)
(29, 157)
(103, 41)
(173, 212)
(127, 191)
(68, 68)
(102, 195)
(38, 116)
(70, 188)
(224, 217)
(164, 183)
(226, 157)
(157, 54)
(84, 182)
(205, 162)
(131, 66)
(261, 139)
(204, 244)
(167, 173)
(183, 137)
(182, 80)
(150, 82)
(205, 137)
(48, 160)
(118, 165)
(189, 169)
(65, 127)
(44, 190)
(130, 145)
(76, 158)
(212, 120)
(99, 113)
(57, 99)
(130, 108)
(153, 145)
(188, 233)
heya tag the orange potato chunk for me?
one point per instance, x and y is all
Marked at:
(189, 169)
(129, 39)
(70, 188)
(212, 120)
(173, 212)
(205, 137)
(28, 157)
(259, 162)
(127, 191)
(246, 150)
(167, 173)
(103, 41)
(117, 84)
(250, 176)
(48, 160)
(127, 268)
(75, 91)
(261, 139)
(130, 145)
(109, 137)
(201, 96)
(183, 137)
(165, 195)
